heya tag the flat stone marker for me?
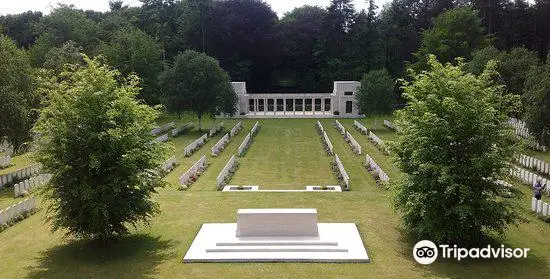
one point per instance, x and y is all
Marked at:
(277, 222)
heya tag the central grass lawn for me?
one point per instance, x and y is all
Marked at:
(30, 250)
(288, 156)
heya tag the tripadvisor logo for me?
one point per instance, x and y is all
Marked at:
(426, 252)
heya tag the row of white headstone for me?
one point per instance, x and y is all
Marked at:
(178, 131)
(28, 185)
(162, 138)
(225, 172)
(215, 129)
(325, 138)
(220, 145)
(13, 212)
(339, 127)
(5, 161)
(169, 164)
(163, 128)
(246, 141)
(529, 178)
(19, 174)
(378, 141)
(521, 130)
(390, 125)
(369, 162)
(361, 127)
(535, 163)
(236, 129)
(254, 129)
(320, 126)
(199, 166)
(353, 143)
(540, 207)
(342, 171)
(244, 144)
(189, 149)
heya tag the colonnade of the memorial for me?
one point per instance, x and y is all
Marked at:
(292, 105)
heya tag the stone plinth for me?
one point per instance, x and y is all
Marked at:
(277, 222)
(277, 235)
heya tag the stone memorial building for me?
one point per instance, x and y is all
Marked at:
(340, 102)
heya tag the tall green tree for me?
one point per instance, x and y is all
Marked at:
(456, 33)
(239, 33)
(17, 97)
(96, 143)
(65, 23)
(399, 36)
(195, 82)
(513, 65)
(376, 94)
(21, 27)
(536, 102)
(300, 34)
(131, 50)
(454, 145)
(338, 22)
(68, 54)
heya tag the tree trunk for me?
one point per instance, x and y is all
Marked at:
(200, 123)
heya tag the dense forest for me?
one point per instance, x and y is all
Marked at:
(305, 50)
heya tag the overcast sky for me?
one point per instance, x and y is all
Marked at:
(19, 6)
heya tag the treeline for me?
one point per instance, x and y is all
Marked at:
(305, 50)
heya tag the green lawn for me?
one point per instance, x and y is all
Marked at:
(30, 250)
(285, 157)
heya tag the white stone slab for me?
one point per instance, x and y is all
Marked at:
(277, 222)
(337, 242)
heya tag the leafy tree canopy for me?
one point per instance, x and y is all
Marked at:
(131, 50)
(195, 82)
(376, 94)
(454, 144)
(17, 94)
(456, 33)
(96, 143)
(536, 98)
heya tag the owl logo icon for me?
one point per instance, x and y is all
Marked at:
(425, 252)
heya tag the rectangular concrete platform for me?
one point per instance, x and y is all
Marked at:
(337, 242)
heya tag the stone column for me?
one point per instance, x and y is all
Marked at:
(294, 106)
(265, 106)
(303, 106)
(284, 106)
(323, 105)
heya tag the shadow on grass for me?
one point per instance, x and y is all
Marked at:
(531, 267)
(134, 256)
